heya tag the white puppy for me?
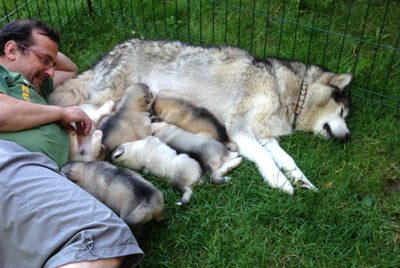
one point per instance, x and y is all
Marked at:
(212, 155)
(179, 170)
(90, 148)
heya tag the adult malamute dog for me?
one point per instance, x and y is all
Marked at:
(256, 100)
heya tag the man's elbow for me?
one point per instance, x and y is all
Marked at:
(61, 76)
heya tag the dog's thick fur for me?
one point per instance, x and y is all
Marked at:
(211, 154)
(150, 154)
(184, 114)
(254, 99)
(134, 199)
(131, 120)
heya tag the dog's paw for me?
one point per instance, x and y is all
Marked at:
(109, 106)
(280, 182)
(305, 183)
(227, 178)
(217, 179)
(98, 133)
(287, 188)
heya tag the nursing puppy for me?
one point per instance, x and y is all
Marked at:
(177, 110)
(150, 154)
(90, 147)
(134, 199)
(212, 155)
(131, 120)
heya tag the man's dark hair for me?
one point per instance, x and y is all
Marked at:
(21, 32)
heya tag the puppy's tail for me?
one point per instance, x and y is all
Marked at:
(187, 194)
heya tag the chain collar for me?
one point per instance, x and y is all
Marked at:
(300, 102)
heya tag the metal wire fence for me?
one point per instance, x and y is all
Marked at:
(361, 36)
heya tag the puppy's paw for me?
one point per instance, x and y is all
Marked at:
(217, 179)
(98, 134)
(227, 178)
(109, 105)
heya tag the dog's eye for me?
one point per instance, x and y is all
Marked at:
(341, 112)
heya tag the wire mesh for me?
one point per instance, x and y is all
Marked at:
(360, 37)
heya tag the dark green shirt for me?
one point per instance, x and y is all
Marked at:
(51, 139)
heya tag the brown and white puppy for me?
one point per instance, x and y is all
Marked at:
(212, 155)
(152, 155)
(179, 111)
(90, 147)
(128, 194)
(131, 120)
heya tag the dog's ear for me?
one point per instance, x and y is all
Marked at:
(341, 81)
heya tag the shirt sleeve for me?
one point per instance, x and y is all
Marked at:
(3, 85)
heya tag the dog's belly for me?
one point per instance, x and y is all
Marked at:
(203, 91)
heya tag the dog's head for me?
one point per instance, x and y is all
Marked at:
(138, 97)
(73, 171)
(326, 106)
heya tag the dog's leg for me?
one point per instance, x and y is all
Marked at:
(286, 163)
(73, 145)
(104, 110)
(96, 144)
(186, 195)
(251, 149)
(230, 163)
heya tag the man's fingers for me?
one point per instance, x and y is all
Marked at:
(79, 128)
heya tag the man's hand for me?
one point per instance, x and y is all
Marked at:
(74, 118)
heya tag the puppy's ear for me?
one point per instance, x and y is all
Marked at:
(341, 81)
(117, 153)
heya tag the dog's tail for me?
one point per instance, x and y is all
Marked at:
(187, 194)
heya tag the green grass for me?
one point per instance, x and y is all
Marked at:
(354, 219)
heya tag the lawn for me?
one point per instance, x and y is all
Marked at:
(354, 218)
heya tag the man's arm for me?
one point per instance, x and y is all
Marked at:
(65, 69)
(17, 115)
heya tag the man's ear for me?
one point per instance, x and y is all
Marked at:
(10, 50)
(341, 81)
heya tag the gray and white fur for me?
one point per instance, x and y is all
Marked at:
(257, 100)
(127, 193)
(212, 155)
(131, 120)
(152, 155)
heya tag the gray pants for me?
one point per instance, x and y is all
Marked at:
(46, 220)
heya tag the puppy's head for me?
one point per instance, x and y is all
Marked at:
(138, 97)
(73, 171)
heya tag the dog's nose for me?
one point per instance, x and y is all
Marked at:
(346, 137)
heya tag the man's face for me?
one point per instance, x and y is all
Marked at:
(37, 63)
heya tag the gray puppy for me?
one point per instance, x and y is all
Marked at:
(128, 194)
(131, 120)
(212, 155)
(179, 170)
